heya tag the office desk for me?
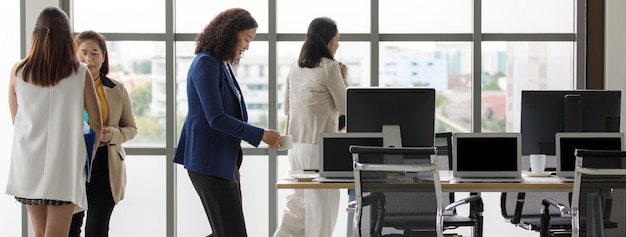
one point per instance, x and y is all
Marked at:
(530, 184)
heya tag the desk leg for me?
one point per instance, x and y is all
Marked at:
(593, 212)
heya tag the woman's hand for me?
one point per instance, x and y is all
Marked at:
(106, 134)
(272, 138)
(344, 70)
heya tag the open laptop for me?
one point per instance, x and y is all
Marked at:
(487, 157)
(567, 142)
(335, 157)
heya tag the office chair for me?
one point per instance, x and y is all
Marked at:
(526, 210)
(414, 210)
(453, 220)
(592, 223)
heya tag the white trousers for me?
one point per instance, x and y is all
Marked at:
(309, 212)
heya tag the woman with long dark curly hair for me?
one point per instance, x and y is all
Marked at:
(210, 142)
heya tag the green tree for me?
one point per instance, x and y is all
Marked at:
(141, 97)
(149, 130)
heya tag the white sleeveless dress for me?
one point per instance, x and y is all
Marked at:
(48, 155)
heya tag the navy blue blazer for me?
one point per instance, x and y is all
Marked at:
(210, 141)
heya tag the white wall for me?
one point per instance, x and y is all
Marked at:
(615, 79)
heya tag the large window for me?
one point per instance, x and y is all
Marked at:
(10, 221)
(478, 55)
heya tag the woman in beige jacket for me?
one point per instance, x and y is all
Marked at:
(107, 182)
(315, 97)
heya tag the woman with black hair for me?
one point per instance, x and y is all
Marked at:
(315, 98)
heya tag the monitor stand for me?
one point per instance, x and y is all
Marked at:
(392, 135)
(392, 138)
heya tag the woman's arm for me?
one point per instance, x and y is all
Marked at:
(93, 108)
(126, 129)
(12, 94)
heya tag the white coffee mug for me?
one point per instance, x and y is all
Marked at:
(537, 163)
(286, 143)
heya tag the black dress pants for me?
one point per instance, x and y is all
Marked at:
(221, 200)
(100, 202)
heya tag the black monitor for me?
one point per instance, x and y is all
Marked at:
(412, 109)
(546, 112)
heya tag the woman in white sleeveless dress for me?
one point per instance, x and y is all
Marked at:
(48, 92)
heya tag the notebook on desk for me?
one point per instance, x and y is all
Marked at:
(335, 157)
(567, 142)
(487, 157)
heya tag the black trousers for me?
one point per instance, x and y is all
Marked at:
(100, 202)
(221, 200)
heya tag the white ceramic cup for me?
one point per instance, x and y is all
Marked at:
(537, 163)
(286, 143)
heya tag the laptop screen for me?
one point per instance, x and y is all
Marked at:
(335, 156)
(568, 142)
(487, 154)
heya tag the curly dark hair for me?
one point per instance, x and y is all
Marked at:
(321, 31)
(219, 37)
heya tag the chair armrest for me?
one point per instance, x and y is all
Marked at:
(564, 210)
(351, 206)
(475, 200)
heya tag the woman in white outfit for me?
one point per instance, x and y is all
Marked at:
(316, 96)
(48, 91)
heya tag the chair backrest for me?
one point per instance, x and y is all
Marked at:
(443, 142)
(418, 185)
(587, 171)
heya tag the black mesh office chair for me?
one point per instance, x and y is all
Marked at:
(527, 210)
(411, 220)
(591, 223)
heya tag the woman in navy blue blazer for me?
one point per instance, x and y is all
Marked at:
(210, 142)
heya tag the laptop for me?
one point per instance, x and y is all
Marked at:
(335, 157)
(567, 142)
(487, 157)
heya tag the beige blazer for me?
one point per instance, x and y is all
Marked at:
(122, 121)
(314, 99)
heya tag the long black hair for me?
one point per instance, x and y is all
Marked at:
(321, 31)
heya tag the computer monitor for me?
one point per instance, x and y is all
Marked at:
(409, 110)
(335, 156)
(546, 112)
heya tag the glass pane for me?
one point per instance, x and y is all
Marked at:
(510, 67)
(531, 16)
(144, 199)
(141, 67)
(356, 55)
(428, 16)
(192, 16)
(184, 57)
(191, 218)
(445, 66)
(352, 16)
(10, 216)
(137, 16)
(251, 73)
